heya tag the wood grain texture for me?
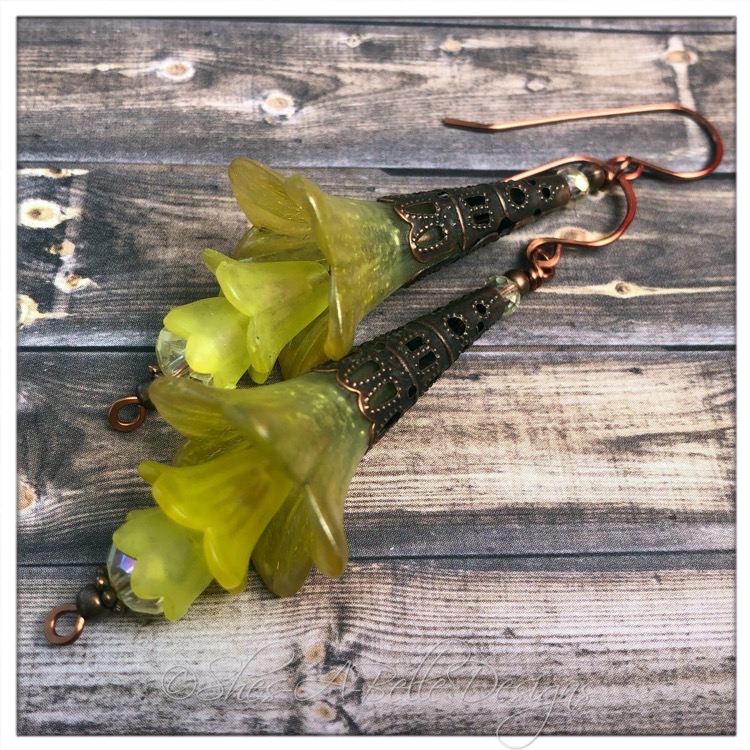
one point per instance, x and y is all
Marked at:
(349, 94)
(510, 453)
(651, 25)
(549, 531)
(620, 645)
(136, 235)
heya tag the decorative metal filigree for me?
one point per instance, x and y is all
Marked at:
(451, 222)
(392, 371)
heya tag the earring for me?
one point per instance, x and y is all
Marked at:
(263, 473)
(313, 265)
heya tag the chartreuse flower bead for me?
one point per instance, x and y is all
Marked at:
(279, 299)
(326, 261)
(170, 570)
(230, 499)
(309, 270)
(263, 307)
(263, 474)
(215, 335)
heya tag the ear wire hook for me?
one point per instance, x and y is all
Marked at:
(639, 165)
(621, 169)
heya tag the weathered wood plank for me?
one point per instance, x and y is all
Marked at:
(560, 531)
(513, 452)
(353, 94)
(643, 24)
(614, 645)
(134, 236)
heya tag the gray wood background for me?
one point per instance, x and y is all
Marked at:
(546, 542)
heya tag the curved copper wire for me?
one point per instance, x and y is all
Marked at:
(50, 625)
(542, 262)
(124, 425)
(543, 253)
(656, 169)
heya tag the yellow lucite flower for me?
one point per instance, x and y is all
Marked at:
(313, 265)
(171, 570)
(303, 277)
(214, 335)
(263, 474)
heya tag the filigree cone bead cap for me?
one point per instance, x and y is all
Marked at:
(264, 473)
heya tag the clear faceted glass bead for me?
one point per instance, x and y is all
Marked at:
(120, 568)
(170, 354)
(509, 291)
(577, 182)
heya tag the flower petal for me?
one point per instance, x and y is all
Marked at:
(282, 554)
(280, 299)
(260, 192)
(231, 499)
(169, 560)
(192, 409)
(325, 494)
(216, 333)
(260, 245)
(306, 349)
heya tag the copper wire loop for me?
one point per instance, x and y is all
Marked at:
(122, 425)
(542, 261)
(50, 625)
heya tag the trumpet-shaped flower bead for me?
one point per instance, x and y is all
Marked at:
(215, 335)
(278, 301)
(169, 570)
(365, 244)
(230, 499)
(307, 434)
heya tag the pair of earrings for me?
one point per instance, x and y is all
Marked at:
(263, 473)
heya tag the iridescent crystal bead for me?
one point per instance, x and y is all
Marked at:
(170, 354)
(509, 291)
(577, 182)
(120, 568)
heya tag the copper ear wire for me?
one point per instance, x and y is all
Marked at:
(640, 164)
(542, 263)
(620, 169)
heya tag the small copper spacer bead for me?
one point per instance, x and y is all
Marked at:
(520, 279)
(109, 597)
(119, 607)
(595, 175)
(101, 582)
